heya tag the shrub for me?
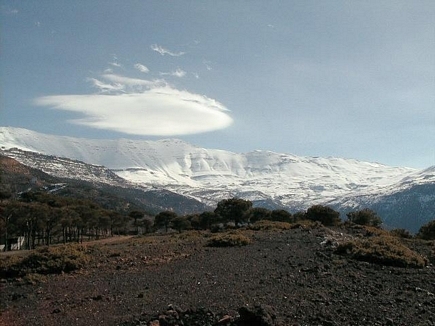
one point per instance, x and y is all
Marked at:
(401, 233)
(381, 250)
(365, 217)
(47, 260)
(270, 225)
(228, 240)
(281, 215)
(324, 214)
(180, 223)
(371, 231)
(233, 209)
(306, 224)
(427, 231)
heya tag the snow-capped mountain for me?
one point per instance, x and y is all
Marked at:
(283, 180)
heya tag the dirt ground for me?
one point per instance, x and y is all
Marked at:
(292, 277)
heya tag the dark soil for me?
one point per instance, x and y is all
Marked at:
(290, 277)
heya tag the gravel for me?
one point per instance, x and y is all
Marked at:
(287, 277)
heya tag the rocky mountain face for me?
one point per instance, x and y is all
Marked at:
(403, 197)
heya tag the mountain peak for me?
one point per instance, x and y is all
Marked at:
(209, 175)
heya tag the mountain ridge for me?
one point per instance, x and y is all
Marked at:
(209, 175)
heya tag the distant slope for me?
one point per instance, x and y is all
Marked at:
(407, 204)
(190, 170)
(117, 195)
(273, 180)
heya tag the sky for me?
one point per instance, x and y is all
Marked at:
(351, 79)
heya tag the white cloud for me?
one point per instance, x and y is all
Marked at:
(8, 11)
(134, 83)
(158, 109)
(164, 51)
(141, 68)
(177, 73)
(115, 64)
(104, 87)
(207, 65)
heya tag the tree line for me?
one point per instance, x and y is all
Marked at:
(44, 219)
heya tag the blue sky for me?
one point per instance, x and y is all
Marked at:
(353, 79)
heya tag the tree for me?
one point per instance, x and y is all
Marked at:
(136, 215)
(233, 209)
(146, 223)
(195, 221)
(427, 231)
(180, 223)
(324, 214)
(50, 221)
(163, 219)
(207, 219)
(365, 217)
(257, 214)
(299, 216)
(281, 215)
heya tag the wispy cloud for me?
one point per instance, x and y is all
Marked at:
(134, 83)
(115, 64)
(164, 51)
(142, 107)
(208, 65)
(8, 11)
(177, 73)
(105, 87)
(141, 68)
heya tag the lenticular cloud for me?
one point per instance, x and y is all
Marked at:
(159, 110)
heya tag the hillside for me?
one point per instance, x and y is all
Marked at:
(83, 181)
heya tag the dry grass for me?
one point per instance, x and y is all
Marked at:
(263, 225)
(231, 239)
(46, 260)
(384, 250)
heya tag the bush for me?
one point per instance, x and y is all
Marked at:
(401, 233)
(281, 215)
(270, 225)
(325, 215)
(228, 240)
(427, 231)
(365, 217)
(47, 260)
(381, 250)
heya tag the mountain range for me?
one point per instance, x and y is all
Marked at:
(403, 197)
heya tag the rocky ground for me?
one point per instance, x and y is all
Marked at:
(290, 277)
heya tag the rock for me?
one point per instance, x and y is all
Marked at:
(259, 315)
(225, 320)
(390, 322)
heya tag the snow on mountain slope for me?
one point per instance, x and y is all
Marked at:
(211, 174)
